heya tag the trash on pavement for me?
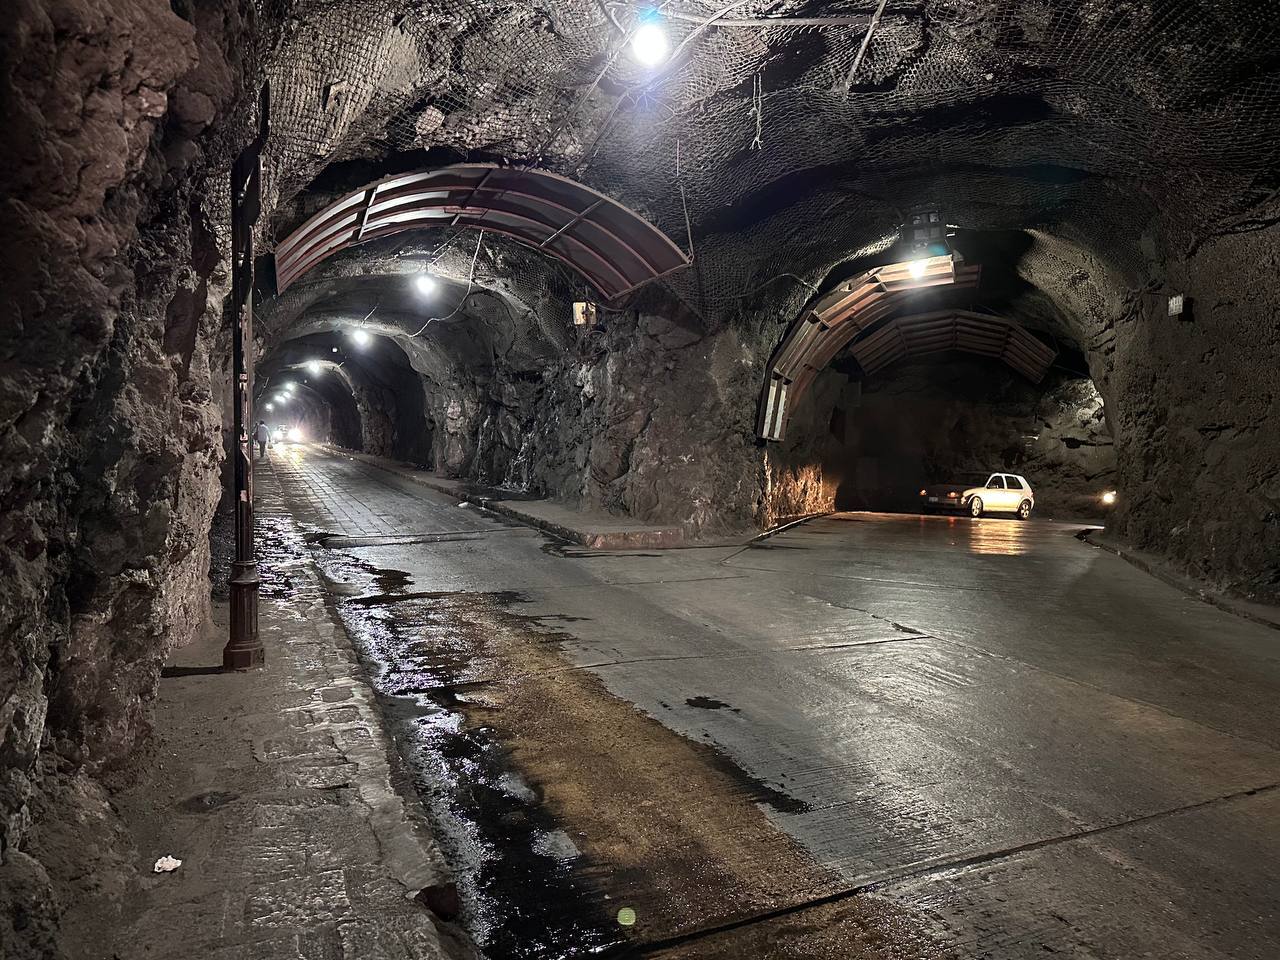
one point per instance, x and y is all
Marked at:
(167, 864)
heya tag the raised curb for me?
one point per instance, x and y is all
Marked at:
(654, 537)
(1256, 612)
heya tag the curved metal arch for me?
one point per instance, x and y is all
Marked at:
(611, 246)
(828, 324)
(963, 330)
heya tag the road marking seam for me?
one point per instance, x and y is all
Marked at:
(644, 949)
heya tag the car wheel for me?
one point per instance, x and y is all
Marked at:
(975, 507)
(1024, 510)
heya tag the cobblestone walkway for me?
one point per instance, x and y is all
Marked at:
(275, 789)
(351, 498)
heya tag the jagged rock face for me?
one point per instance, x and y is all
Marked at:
(1195, 412)
(651, 418)
(108, 473)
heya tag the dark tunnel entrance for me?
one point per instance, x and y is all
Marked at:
(363, 395)
(879, 440)
(939, 393)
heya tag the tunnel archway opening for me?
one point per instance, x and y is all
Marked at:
(952, 418)
(946, 388)
(370, 397)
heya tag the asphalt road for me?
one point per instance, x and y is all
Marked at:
(1028, 743)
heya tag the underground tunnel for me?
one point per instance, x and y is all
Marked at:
(607, 357)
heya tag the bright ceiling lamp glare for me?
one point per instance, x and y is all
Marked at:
(314, 368)
(917, 268)
(271, 406)
(425, 284)
(360, 337)
(1109, 498)
(649, 44)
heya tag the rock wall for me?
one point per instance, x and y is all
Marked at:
(650, 416)
(109, 446)
(1195, 411)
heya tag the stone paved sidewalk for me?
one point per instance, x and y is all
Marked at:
(275, 789)
(595, 530)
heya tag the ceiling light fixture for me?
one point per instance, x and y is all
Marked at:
(360, 337)
(649, 45)
(314, 368)
(425, 284)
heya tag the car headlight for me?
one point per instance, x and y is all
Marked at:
(295, 435)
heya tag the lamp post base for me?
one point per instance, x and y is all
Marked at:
(244, 650)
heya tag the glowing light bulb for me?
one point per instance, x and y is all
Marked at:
(1109, 497)
(314, 368)
(917, 268)
(360, 337)
(271, 406)
(424, 283)
(649, 45)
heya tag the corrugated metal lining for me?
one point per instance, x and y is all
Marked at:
(979, 333)
(613, 247)
(832, 321)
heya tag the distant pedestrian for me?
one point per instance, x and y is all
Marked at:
(261, 434)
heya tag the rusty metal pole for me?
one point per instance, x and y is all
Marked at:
(244, 648)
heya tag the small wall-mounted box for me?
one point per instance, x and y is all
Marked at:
(585, 314)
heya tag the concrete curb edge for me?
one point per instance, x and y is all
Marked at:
(1253, 612)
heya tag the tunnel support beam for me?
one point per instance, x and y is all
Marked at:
(244, 648)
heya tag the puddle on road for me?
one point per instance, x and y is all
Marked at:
(709, 703)
(278, 547)
(527, 892)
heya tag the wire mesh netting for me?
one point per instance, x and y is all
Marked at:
(789, 151)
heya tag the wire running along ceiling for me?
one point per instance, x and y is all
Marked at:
(1014, 108)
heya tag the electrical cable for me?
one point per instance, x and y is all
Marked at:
(470, 278)
(862, 50)
(760, 22)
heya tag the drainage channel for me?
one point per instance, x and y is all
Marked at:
(526, 892)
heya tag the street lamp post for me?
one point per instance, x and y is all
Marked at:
(244, 648)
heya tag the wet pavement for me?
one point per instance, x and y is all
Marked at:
(1022, 743)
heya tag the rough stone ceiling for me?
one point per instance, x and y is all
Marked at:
(494, 302)
(1144, 90)
(1110, 129)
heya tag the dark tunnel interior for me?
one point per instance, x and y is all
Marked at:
(576, 295)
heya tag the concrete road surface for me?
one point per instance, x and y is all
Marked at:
(1021, 743)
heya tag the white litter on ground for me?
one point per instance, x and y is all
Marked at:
(167, 864)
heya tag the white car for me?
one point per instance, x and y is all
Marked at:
(1002, 493)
